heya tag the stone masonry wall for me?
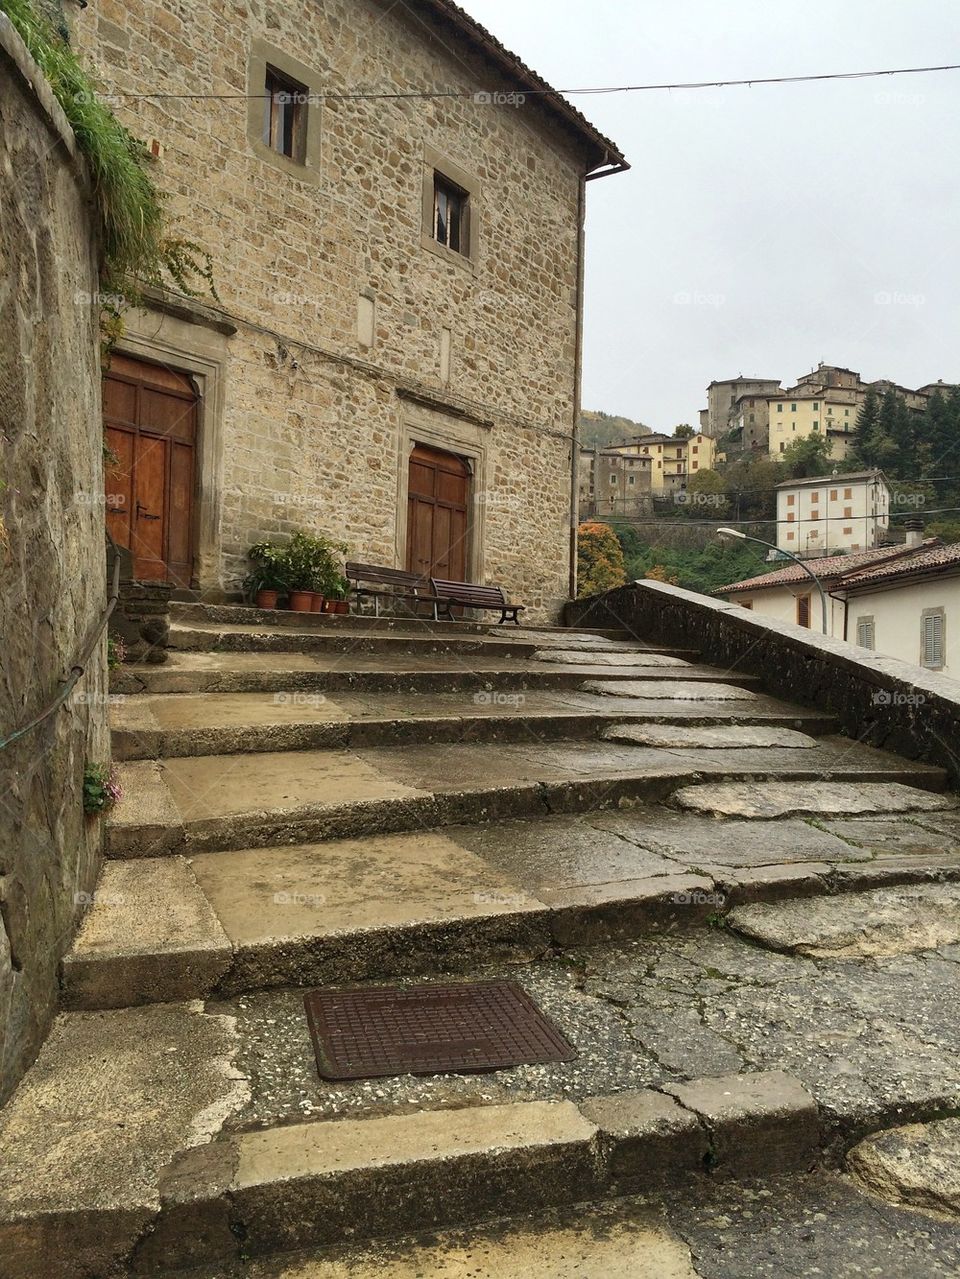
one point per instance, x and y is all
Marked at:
(881, 701)
(52, 586)
(312, 422)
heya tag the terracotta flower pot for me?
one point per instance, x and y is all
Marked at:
(267, 599)
(316, 602)
(342, 606)
(329, 606)
(301, 601)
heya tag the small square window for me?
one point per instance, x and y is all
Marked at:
(847, 493)
(816, 406)
(847, 532)
(847, 512)
(285, 115)
(814, 498)
(450, 212)
(793, 408)
(833, 495)
(779, 408)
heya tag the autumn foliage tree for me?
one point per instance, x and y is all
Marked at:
(599, 559)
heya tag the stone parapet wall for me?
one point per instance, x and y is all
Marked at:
(880, 701)
(52, 584)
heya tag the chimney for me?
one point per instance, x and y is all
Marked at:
(914, 531)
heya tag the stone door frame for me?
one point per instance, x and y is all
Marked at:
(202, 353)
(437, 430)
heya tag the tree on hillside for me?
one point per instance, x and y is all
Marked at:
(599, 559)
(806, 457)
(705, 495)
(750, 485)
(864, 443)
(683, 432)
(657, 573)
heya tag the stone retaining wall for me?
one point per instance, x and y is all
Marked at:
(881, 701)
(52, 586)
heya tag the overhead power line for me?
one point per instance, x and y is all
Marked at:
(534, 92)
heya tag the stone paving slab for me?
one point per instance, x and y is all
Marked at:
(917, 1165)
(788, 798)
(724, 736)
(886, 921)
(111, 1099)
(681, 690)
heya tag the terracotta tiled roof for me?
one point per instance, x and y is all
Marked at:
(827, 567)
(927, 560)
(604, 151)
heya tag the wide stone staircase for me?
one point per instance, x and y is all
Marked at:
(320, 801)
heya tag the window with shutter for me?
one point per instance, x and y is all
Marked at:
(866, 632)
(931, 639)
(803, 610)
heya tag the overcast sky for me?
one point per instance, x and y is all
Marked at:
(760, 230)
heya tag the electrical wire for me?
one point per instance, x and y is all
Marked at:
(601, 89)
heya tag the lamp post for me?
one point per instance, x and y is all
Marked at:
(746, 537)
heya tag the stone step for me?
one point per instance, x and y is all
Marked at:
(307, 637)
(175, 725)
(200, 672)
(213, 802)
(238, 614)
(174, 928)
(185, 1133)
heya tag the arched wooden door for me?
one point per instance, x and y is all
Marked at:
(150, 424)
(438, 500)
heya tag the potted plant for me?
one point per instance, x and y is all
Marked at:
(337, 592)
(314, 566)
(270, 577)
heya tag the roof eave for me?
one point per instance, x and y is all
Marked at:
(606, 159)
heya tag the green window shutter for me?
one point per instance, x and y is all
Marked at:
(931, 644)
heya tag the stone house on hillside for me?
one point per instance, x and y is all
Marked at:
(395, 357)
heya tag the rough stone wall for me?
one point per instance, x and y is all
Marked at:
(881, 701)
(312, 419)
(52, 587)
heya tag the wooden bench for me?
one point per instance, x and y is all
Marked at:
(452, 595)
(374, 581)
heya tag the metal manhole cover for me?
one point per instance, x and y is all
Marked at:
(427, 1030)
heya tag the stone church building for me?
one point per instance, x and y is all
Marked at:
(394, 206)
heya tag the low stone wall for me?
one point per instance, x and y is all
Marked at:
(881, 701)
(52, 585)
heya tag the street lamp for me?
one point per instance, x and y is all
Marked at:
(746, 537)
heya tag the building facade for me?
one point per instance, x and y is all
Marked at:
(763, 417)
(900, 601)
(832, 513)
(673, 459)
(396, 274)
(613, 483)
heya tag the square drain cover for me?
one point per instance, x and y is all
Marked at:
(427, 1030)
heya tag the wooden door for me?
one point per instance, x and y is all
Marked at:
(438, 500)
(150, 422)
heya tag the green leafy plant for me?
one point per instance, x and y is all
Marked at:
(271, 572)
(101, 788)
(314, 563)
(138, 253)
(116, 651)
